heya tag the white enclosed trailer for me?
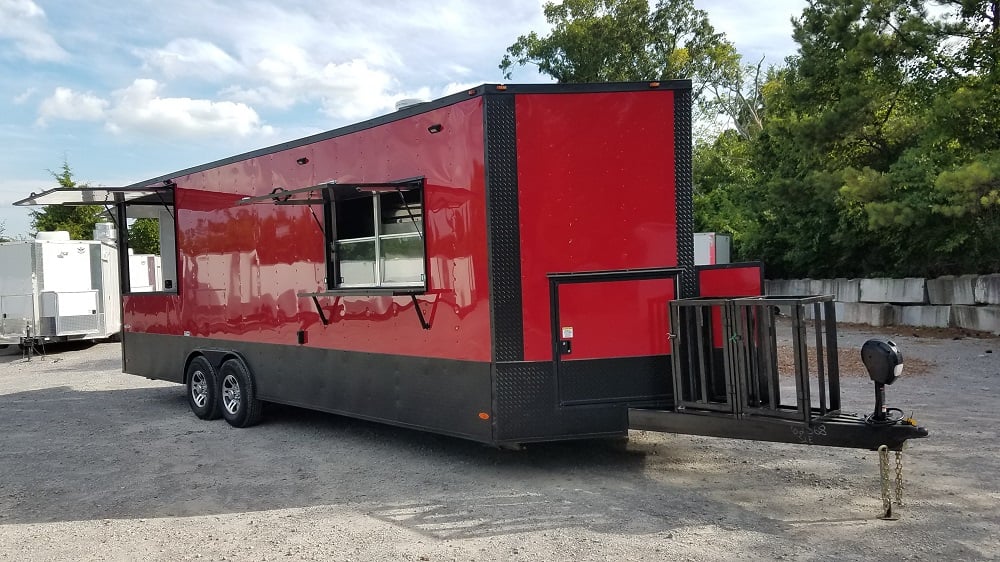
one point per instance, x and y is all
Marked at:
(56, 289)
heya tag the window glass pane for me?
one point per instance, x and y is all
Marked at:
(402, 259)
(356, 217)
(152, 251)
(401, 212)
(357, 261)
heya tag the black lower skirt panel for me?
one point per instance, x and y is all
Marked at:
(491, 403)
(439, 395)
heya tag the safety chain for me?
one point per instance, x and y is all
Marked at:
(899, 478)
(884, 471)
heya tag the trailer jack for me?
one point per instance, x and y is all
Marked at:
(32, 345)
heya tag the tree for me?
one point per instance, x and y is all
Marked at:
(79, 221)
(879, 151)
(3, 228)
(725, 187)
(627, 40)
(144, 236)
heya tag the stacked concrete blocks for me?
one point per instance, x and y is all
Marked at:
(964, 301)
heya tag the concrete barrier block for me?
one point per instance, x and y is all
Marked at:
(939, 291)
(776, 286)
(819, 287)
(801, 287)
(988, 289)
(827, 287)
(964, 290)
(981, 318)
(950, 289)
(787, 287)
(847, 290)
(925, 316)
(873, 314)
(911, 290)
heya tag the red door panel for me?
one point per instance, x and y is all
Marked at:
(609, 319)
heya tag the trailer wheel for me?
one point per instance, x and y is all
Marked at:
(203, 389)
(237, 398)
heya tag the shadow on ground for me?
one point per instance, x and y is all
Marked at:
(76, 455)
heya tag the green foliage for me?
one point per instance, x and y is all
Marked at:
(725, 187)
(880, 151)
(79, 221)
(617, 40)
(144, 236)
(628, 40)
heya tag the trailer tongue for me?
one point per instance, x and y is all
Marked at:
(733, 381)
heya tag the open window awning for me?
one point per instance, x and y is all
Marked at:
(303, 196)
(73, 196)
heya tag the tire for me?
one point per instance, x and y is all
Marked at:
(203, 389)
(237, 395)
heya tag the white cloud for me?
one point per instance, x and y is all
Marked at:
(349, 90)
(24, 96)
(140, 108)
(352, 63)
(191, 57)
(24, 23)
(756, 33)
(68, 105)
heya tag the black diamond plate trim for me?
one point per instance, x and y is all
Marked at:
(684, 185)
(525, 399)
(526, 409)
(504, 227)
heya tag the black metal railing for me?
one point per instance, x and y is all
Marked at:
(728, 356)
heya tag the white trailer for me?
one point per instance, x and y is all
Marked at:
(56, 289)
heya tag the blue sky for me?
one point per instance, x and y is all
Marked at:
(128, 90)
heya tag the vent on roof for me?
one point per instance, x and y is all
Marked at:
(408, 102)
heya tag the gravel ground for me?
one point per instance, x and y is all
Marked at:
(95, 464)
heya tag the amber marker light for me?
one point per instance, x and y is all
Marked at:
(501, 87)
(484, 416)
(654, 84)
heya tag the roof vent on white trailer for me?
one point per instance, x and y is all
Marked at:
(54, 236)
(105, 232)
(408, 102)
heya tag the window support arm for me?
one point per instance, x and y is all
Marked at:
(319, 310)
(420, 313)
(111, 215)
(165, 205)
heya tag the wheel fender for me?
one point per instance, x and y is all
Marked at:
(216, 357)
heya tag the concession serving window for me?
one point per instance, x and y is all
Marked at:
(145, 219)
(374, 234)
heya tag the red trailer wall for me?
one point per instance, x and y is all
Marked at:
(596, 192)
(240, 268)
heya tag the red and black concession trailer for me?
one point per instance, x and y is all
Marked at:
(509, 264)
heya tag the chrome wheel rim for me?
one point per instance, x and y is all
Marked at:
(199, 389)
(231, 394)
